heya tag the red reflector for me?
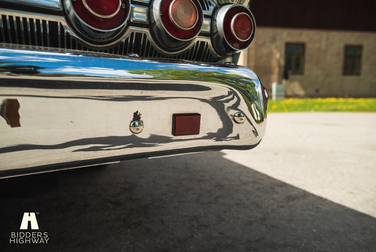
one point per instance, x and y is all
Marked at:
(186, 124)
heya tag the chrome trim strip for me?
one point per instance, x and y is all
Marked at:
(51, 4)
(40, 170)
(76, 109)
(206, 26)
(223, 2)
(242, 2)
(139, 14)
(31, 15)
(142, 1)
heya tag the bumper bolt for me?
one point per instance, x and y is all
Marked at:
(239, 117)
(136, 125)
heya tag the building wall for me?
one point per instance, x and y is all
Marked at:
(323, 67)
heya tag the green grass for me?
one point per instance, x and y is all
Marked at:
(323, 104)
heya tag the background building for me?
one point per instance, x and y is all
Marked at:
(327, 48)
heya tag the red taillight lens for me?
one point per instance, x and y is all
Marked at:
(102, 8)
(182, 19)
(102, 14)
(241, 26)
(238, 27)
(184, 14)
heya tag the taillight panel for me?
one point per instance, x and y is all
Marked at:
(172, 25)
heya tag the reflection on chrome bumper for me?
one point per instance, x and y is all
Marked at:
(75, 110)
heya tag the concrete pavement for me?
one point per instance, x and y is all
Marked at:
(332, 155)
(309, 186)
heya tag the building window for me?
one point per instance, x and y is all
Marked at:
(351, 65)
(294, 58)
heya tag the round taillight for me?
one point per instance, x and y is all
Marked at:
(175, 23)
(241, 26)
(182, 19)
(102, 14)
(238, 27)
(183, 14)
(233, 29)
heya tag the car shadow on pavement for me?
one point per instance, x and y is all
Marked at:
(197, 202)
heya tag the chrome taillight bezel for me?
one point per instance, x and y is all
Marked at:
(224, 39)
(91, 32)
(167, 36)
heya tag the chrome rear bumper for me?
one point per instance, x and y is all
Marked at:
(75, 110)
